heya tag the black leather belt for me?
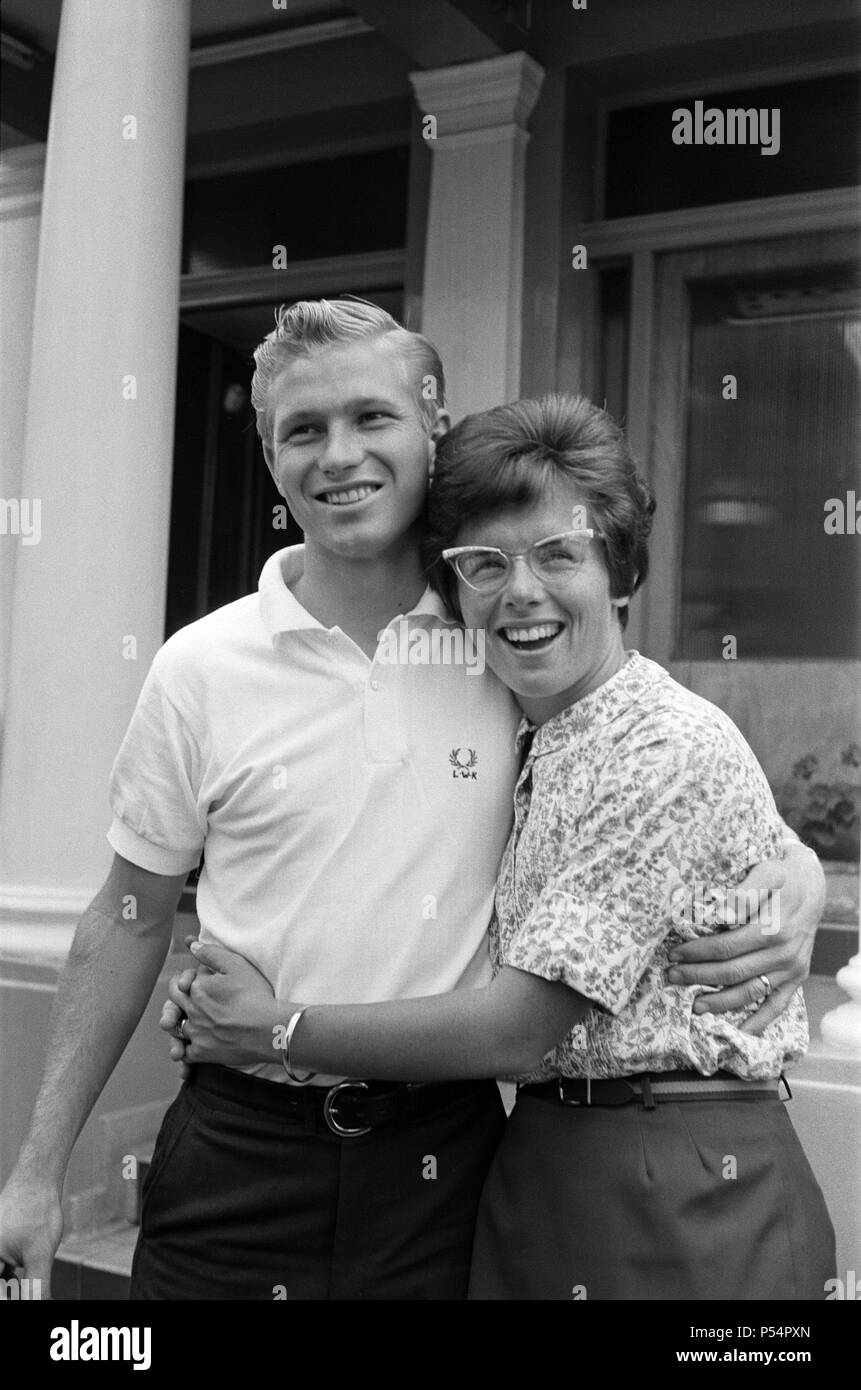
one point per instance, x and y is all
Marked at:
(669, 1086)
(349, 1108)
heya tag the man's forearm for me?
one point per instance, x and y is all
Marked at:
(102, 992)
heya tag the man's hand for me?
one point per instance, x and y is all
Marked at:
(102, 992)
(229, 1008)
(781, 902)
(31, 1227)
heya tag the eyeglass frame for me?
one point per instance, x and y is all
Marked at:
(452, 553)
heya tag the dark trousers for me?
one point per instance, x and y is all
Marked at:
(242, 1203)
(708, 1199)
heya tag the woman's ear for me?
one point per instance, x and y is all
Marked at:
(620, 610)
(624, 601)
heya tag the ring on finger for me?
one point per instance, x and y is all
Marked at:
(179, 1027)
(769, 987)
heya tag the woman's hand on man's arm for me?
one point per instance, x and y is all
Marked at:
(230, 1008)
(780, 902)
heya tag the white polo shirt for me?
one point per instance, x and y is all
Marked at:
(352, 813)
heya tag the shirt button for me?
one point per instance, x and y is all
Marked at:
(375, 685)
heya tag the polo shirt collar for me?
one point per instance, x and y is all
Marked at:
(282, 612)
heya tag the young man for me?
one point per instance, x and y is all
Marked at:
(353, 810)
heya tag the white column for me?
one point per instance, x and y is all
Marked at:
(473, 280)
(99, 446)
(21, 172)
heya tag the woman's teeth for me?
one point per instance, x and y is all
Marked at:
(348, 495)
(531, 634)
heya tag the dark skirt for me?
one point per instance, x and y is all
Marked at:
(706, 1199)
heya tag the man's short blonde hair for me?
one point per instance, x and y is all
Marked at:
(312, 325)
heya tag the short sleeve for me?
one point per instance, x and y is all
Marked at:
(672, 809)
(154, 784)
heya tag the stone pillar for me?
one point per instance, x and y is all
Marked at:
(21, 173)
(475, 117)
(89, 596)
(841, 1027)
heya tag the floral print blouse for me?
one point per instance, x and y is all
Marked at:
(636, 807)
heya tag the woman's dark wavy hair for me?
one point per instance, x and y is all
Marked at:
(506, 457)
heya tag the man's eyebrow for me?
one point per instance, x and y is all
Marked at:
(369, 402)
(294, 417)
(305, 413)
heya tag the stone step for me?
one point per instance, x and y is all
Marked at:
(134, 1186)
(96, 1265)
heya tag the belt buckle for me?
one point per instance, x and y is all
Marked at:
(560, 1087)
(329, 1109)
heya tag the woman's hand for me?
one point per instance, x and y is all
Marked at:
(229, 1009)
(172, 1014)
(781, 902)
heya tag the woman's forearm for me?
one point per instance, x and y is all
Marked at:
(502, 1030)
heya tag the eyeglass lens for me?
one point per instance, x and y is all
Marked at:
(551, 559)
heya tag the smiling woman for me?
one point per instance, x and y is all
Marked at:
(552, 628)
(553, 547)
(504, 458)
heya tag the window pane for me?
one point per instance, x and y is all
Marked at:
(758, 563)
(612, 388)
(221, 524)
(819, 148)
(327, 207)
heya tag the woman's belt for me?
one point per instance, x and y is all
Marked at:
(648, 1089)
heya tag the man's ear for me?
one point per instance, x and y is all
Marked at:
(440, 426)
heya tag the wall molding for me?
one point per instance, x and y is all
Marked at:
(22, 174)
(34, 903)
(469, 97)
(277, 41)
(37, 924)
(735, 81)
(261, 284)
(755, 219)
